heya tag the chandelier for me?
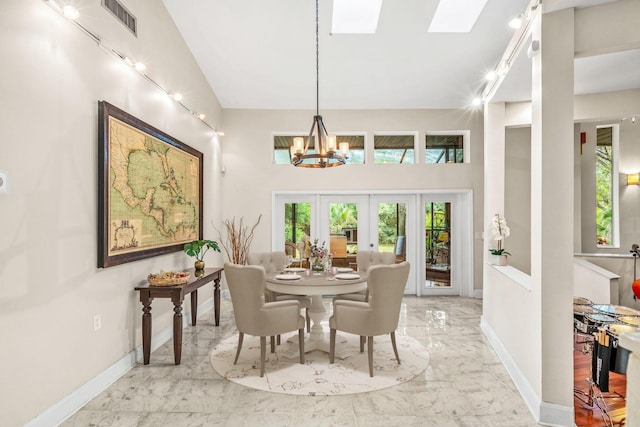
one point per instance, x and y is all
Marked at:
(327, 152)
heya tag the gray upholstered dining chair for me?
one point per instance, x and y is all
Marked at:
(255, 316)
(275, 262)
(377, 316)
(364, 260)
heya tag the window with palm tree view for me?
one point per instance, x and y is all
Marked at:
(606, 194)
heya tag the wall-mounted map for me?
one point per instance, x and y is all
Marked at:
(150, 190)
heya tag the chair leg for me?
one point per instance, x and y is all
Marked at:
(370, 354)
(306, 313)
(240, 337)
(278, 339)
(301, 344)
(362, 340)
(263, 354)
(395, 348)
(332, 345)
(272, 341)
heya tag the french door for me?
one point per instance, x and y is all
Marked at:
(430, 231)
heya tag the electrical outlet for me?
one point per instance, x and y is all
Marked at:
(97, 322)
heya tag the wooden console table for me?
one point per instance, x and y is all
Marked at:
(177, 294)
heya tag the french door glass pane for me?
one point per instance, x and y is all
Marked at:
(438, 244)
(297, 222)
(392, 220)
(343, 230)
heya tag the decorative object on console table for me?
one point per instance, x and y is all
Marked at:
(197, 249)
(168, 278)
(500, 231)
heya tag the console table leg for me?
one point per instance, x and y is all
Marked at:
(194, 307)
(177, 333)
(146, 332)
(216, 299)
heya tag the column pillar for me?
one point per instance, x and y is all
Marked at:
(552, 208)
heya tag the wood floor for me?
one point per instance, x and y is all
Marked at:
(591, 416)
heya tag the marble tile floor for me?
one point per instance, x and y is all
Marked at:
(464, 384)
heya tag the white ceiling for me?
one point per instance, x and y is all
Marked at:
(261, 54)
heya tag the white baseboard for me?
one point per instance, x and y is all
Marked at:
(477, 293)
(544, 413)
(68, 406)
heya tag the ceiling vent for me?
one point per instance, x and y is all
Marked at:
(123, 15)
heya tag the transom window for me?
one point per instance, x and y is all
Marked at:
(444, 148)
(394, 148)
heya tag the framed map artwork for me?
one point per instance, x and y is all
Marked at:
(149, 190)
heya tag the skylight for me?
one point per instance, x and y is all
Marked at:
(456, 16)
(355, 16)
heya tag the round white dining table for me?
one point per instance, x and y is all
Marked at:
(316, 286)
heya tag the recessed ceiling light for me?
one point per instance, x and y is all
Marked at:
(355, 16)
(456, 16)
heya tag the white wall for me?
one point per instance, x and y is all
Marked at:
(251, 176)
(53, 76)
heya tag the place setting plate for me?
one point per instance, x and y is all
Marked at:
(295, 269)
(287, 276)
(347, 276)
(345, 270)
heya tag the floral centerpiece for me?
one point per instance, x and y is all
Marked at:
(500, 230)
(319, 255)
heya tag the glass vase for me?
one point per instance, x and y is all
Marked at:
(317, 264)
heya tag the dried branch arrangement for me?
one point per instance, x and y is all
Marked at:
(238, 239)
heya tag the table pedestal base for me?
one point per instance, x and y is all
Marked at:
(318, 339)
(291, 352)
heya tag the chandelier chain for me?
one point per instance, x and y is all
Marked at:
(317, 62)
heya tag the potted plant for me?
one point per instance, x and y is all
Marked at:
(198, 248)
(500, 231)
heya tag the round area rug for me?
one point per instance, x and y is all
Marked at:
(317, 377)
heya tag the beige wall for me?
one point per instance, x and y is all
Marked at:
(53, 76)
(251, 177)
(517, 203)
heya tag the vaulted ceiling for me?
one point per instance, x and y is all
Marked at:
(261, 54)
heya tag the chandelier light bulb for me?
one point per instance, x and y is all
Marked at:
(298, 145)
(344, 149)
(331, 143)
